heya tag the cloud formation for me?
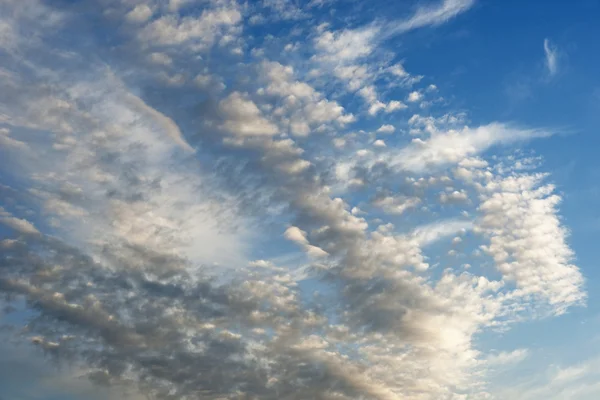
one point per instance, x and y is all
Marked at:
(204, 216)
(551, 57)
(433, 15)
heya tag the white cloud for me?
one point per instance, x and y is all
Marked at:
(295, 167)
(431, 233)
(140, 13)
(7, 141)
(556, 382)
(456, 196)
(396, 204)
(285, 9)
(18, 224)
(551, 57)
(414, 97)
(527, 241)
(433, 15)
(404, 79)
(398, 70)
(295, 234)
(244, 117)
(304, 107)
(162, 121)
(299, 236)
(504, 358)
(347, 45)
(386, 129)
(198, 32)
(394, 105)
(160, 58)
(454, 145)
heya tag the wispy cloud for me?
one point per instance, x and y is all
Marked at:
(504, 358)
(555, 382)
(551, 53)
(433, 15)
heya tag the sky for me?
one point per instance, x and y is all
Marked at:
(285, 199)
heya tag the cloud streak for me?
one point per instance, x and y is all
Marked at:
(551, 53)
(433, 15)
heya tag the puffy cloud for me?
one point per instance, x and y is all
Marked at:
(397, 204)
(346, 54)
(295, 234)
(386, 129)
(456, 196)
(346, 45)
(527, 242)
(394, 105)
(140, 13)
(303, 106)
(195, 31)
(18, 224)
(244, 118)
(414, 97)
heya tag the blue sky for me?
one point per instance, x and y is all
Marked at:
(329, 199)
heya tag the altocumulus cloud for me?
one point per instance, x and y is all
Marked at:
(180, 212)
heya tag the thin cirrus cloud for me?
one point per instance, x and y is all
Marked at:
(211, 238)
(551, 53)
(432, 15)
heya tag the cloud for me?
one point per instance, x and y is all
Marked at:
(303, 108)
(164, 122)
(505, 358)
(456, 196)
(21, 366)
(455, 145)
(433, 232)
(551, 53)
(197, 32)
(140, 13)
(346, 45)
(386, 129)
(396, 205)
(18, 224)
(578, 380)
(244, 118)
(135, 207)
(285, 9)
(518, 214)
(7, 141)
(433, 15)
(414, 97)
